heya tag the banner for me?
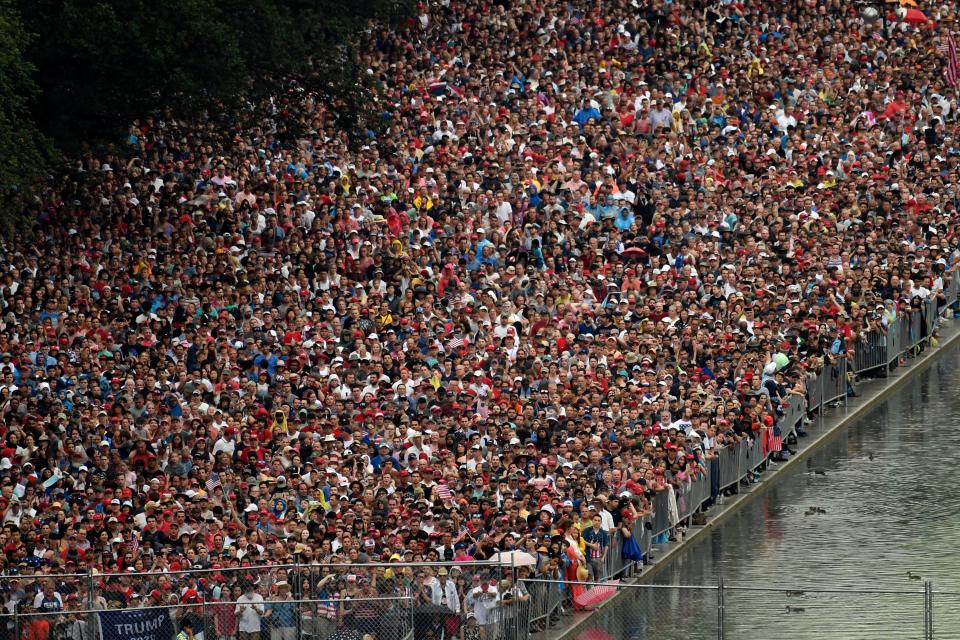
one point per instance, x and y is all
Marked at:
(145, 624)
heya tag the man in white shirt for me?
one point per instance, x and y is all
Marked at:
(226, 443)
(249, 610)
(485, 598)
(48, 600)
(606, 518)
(443, 591)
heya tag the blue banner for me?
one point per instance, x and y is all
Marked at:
(143, 624)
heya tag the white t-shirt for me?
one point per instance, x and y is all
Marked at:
(485, 603)
(249, 609)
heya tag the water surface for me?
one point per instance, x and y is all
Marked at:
(890, 486)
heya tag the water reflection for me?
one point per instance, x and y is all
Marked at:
(878, 504)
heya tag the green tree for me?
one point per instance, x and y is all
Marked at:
(103, 63)
(24, 151)
(93, 66)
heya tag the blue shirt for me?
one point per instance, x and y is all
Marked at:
(283, 614)
(624, 222)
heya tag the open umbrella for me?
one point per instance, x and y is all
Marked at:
(590, 598)
(633, 253)
(913, 16)
(514, 559)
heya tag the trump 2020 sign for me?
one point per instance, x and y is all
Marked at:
(146, 624)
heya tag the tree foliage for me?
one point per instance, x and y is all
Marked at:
(79, 71)
(24, 151)
(102, 63)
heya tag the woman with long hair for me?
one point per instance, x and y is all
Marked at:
(576, 570)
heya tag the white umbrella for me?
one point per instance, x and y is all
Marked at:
(514, 559)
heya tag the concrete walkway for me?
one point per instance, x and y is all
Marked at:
(871, 393)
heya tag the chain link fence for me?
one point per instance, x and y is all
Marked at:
(252, 617)
(426, 600)
(733, 611)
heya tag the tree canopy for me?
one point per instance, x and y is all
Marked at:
(79, 71)
(24, 151)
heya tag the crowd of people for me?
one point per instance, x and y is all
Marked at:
(585, 246)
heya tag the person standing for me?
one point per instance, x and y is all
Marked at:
(249, 610)
(576, 570)
(48, 600)
(282, 614)
(598, 541)
(444, 594)
(443, 591)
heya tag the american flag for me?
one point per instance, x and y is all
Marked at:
(443, 491)
(213, 482)
(134, 543)
(456, 343)
(327, 609)
(774, 440)
(952, 65)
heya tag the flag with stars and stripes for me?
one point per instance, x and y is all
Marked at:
(952, 65)
(213, 482)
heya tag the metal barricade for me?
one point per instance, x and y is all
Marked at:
(539, 602)
(905, 341)
(914, 328)
(545, 601)
(701, 490)
(698, 492)
(613, 564)
(743, 451)
(645, 533)
(870, 352)
(814, 400)
(930, 317)
(507, 619)
(834, 382)
(753, 456)
(896, 337)
(661, 513)
(729, 460)
(953, 290)
(794, 408)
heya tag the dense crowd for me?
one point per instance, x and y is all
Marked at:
(587, 246)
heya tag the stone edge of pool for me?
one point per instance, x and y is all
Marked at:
(872, 393)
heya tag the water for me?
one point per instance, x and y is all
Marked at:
(891, 491)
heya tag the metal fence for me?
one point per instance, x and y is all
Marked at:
(734, 611)
(258, 613)
(881, 349)
(441, 598)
